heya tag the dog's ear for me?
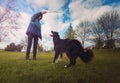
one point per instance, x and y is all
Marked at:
(51, 34)
(51, 31)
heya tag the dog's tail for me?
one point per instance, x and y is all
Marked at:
(86, 55)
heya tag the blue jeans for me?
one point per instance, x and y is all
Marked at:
(30, 38)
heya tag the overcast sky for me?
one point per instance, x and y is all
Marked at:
(63, 13)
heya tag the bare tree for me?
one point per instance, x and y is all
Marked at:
(106, 29)
(109, 23)
(97, 33)
(83, 31)
(24, 43)
(8, 18)
(117, 35)
(40, 48)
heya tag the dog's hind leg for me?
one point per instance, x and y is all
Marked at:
(72, 62)
(60, 57)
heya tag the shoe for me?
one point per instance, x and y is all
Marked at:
(27, 59)
(34, 58)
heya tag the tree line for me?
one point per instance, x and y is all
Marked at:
(104, 31)
(19, 47)
(14, 48)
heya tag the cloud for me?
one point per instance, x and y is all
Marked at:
(52, 5)
(117, 9)
(23, 25)
(87, 10)
(101, 10)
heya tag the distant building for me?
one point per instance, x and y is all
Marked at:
(117, 43)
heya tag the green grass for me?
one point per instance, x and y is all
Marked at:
(104, 68)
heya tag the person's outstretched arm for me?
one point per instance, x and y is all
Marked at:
(35, 16)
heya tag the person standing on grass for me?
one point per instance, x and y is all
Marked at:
(33, 33)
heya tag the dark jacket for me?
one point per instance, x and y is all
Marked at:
(35, 26)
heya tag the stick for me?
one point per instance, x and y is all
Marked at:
(53, 12)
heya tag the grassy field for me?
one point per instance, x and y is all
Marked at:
(104, 68)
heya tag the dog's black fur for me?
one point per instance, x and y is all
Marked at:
(72, 48)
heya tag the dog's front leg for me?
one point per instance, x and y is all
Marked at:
(56, 57)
